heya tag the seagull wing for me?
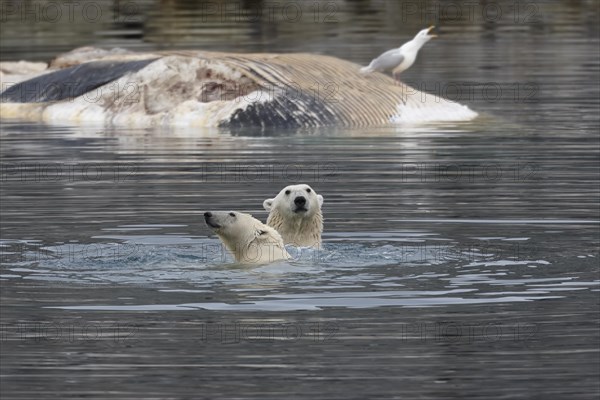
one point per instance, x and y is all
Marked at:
(388, 60)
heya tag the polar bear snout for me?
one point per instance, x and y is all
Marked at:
(210, 220)
(300, 203)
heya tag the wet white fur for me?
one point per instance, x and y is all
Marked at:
(249, 240)
(298, 229)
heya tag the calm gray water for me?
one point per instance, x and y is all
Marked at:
(459, 260)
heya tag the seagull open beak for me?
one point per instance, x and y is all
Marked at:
(432, 27)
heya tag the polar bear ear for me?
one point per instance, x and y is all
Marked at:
(268, 204)
(261, 234)
(320, 200)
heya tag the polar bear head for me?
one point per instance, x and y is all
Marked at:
(296, 214)
(249, 240)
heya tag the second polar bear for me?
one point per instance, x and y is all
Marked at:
(296, 214)
(250, 241)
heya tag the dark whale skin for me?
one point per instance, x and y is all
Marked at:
(70, 82)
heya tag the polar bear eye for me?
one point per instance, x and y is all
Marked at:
(232, 214)
(287, 192)
(308, 190)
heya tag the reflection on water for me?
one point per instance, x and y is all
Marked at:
(459, 261)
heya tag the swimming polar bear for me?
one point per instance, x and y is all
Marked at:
(296, 214)
(249, 240)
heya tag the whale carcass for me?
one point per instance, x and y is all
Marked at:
(211, 89)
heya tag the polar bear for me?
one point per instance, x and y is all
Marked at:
(296, 214)
(249, 240)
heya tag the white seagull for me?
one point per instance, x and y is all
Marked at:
(401, 58)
